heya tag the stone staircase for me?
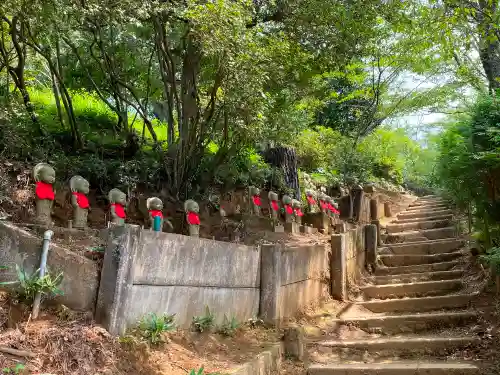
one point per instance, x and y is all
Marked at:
(412, 317)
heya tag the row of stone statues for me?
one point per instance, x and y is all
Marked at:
(292, 208)
(45, 176)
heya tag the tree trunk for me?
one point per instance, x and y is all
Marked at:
(285, 158)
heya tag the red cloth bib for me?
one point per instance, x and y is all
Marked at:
(323, 205)
(330, 207)
(335, 211)
(44, 191)
(193, 218)
(81, 200)
(155, 213)
(274, 205)
(119, 210)
(256, 200)
(288, 209)
(298, 212)
(311, 200)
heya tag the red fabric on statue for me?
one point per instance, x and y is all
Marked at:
(323, 205)
(274, 205)
(119, 210)
(81, 200)
(193, 218)
(298, 212)
(288, 209)
(44, 191)
(256, 200)
(335, 211)
(330, 207)
(155, 213)
(311, 200)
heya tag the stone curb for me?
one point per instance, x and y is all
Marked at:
(264, 364)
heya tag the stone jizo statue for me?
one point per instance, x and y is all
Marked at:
(156, 218)
(118, 202)
(323, 204)
(297, 211)
(192, 210)
(311, 201)
(274, 206)
(255, 200)
(287, 205)
(79, 191)
(44, 176)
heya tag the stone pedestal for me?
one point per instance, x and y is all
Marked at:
(294, 342)
(279, 229)
(338, 276)
(306, 229)
(44, 211)
(387, 209)
(340, 228)
(292, 227)
(371, 246)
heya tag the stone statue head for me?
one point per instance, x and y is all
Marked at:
(117, 196)
(286, 199)
(310, 193)
(191, 206)
(45, 173)
(154, 203)
(272, 196)
(78, 184)
(296, 203)
(252, 190)
(322, 196)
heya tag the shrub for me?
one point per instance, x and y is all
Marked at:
(152, 327)
(16, 370)
(201, 371)
(229, 327)
(29, 285)
(205, 322)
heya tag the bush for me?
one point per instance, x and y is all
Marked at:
(152, 327)
(205, 322)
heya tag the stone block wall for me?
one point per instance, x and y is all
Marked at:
(150, 272)
(291, 279)
(81, 275)
(347, 261)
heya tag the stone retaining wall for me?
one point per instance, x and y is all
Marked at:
(81, 275)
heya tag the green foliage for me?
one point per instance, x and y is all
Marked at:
(28, 285)
(492, 258)
(18, 369)
(152, 327)
(229, 326)
(201, 371)
(205, 322)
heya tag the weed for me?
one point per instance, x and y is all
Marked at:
(152, 327)
(255, 322)
(201, 371)
(229, 327)
(205, 322)
(492, 258)
(16, 370)
(31, 284)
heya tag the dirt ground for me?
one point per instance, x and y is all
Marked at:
(77, 346)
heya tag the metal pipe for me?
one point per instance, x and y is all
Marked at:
(47, 236)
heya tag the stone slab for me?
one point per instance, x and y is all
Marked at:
(421, 304)
(432, 267)
(411, 323)
(439, 287)
(414, 277)
(393, 260)
(418, 219)
(413, 215)
(292, 228)
(396, 227)
(428, 247)
(398, 368)
(267, 362)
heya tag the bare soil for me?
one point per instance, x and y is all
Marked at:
(78, 346)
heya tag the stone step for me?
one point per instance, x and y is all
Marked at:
(415, 215)
(428, 247)
(398, 260)
(422, 288)
(397, 368)
(401, 343)
(431, 267)
(420, 202)
(429, 234)
(396, 227)
(415, 277)
(418, 219)
(411, 323)
(428, 207)
(420, 304)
